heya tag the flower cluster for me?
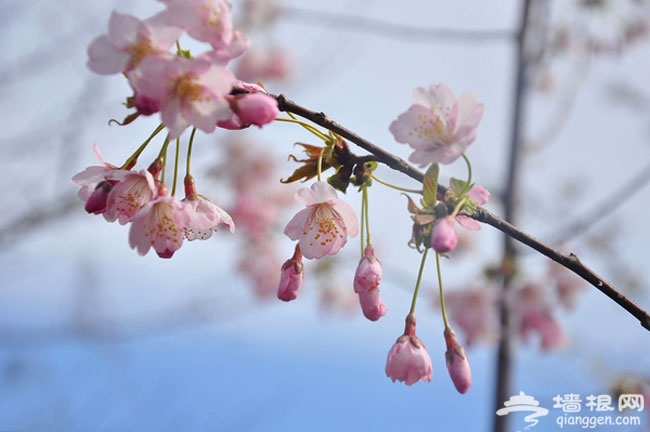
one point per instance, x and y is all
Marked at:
(200, 92)
(185, 90)
(188, 91)
(140, 198)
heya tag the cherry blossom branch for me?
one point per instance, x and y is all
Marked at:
(363, 24)
(569, 261)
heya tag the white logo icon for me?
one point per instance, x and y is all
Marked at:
(523, 402)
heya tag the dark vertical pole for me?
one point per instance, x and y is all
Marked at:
(504, 351)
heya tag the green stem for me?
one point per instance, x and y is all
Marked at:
(176, 157)
(469, 169)
(417, 284)
(459, 206)
(366, 214)
(189, 152)
(163, 158)
(364, 209)
(144, 145)
(442, 296)
(399, 188)
(310, 128)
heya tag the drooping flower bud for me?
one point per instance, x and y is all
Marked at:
(369, 272)
(291, 278)
(443, 235)
(457, 363)
(371, 304)
(408, 360)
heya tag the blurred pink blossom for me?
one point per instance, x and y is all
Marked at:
(257, 65)
(474, 310)
(128, 41)
(204, 20)
(532, 310)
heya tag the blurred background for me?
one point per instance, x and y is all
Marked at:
(95, 338)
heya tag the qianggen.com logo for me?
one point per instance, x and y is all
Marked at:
(571, 406)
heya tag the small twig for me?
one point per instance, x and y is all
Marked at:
(482, 215)
(603, 208)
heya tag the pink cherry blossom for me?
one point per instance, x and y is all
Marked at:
(408, 360)
(129, 194)
(128, 41)
(160, 224)
(204, 20)
(438, 126)
(457, 363)
(206, 218)
(443, 235)
(188, 91)
(324, 226)
(372, 305)
(369, 272)
(224, 54)
(260, 263)
(291, 278)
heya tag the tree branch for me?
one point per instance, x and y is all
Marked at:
(363, 24)
(570, 261)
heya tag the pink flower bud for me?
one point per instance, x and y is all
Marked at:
(369, 272)
(96, 203)
(146, 105)
(457, 363)
(371, 304)
(408, 360)
(291, 278)
(256, 108)
(443, 235)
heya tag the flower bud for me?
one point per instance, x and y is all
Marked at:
(457, 363)
(369, 272)
(443, 235)
(408, 360)
(291, 278)
(256, 108)
(96, 202)
(371, 304)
